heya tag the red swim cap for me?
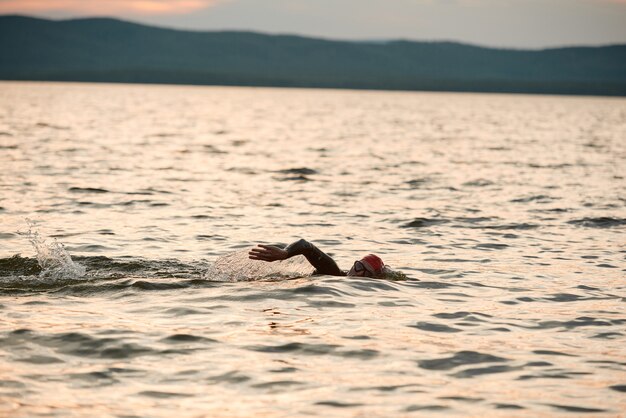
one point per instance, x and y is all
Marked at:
(373, 263)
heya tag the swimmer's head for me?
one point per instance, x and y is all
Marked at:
(369, 266)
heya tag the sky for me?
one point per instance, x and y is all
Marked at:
(497, 23)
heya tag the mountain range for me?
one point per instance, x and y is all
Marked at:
(111, 50)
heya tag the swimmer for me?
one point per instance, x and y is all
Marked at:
(369, 266)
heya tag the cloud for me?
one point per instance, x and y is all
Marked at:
(106, 7)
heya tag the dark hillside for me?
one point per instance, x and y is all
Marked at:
(117, 51)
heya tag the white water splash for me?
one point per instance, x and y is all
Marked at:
(54, 260)
(235, 267)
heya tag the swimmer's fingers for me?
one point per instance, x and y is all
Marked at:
(267, 253)
(264, 250)
(256, 254)
(263, 256)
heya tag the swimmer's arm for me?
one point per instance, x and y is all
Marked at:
(322, 262)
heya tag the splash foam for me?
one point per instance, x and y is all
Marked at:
(235, 267)
(54, 260)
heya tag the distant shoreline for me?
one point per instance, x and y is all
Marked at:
(115, 51)
(380, 89)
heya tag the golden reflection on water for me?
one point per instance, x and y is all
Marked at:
(505, 211)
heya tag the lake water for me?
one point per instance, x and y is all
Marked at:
(506, 213)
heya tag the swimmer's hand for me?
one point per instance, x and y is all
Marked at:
(267, 253)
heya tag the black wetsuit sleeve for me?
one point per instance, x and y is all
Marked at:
(322, 262)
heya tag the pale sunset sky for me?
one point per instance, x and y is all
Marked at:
(502, 23)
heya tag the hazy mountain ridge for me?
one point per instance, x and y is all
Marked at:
(103, 49)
